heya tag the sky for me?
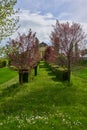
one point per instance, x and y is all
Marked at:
(40, 15)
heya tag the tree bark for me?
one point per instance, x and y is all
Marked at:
(23, 76)
(20, 78)
(35, 70)
(69, 69)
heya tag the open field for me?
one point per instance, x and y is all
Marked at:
(44, 103)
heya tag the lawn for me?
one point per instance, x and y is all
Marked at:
(80, 71)
(6, 74)
(44, 103)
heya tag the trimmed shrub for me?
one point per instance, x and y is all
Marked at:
(65, 75)
(61, 73)
(3, 63)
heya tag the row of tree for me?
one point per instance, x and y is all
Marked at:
(67, 44)
(23, 53)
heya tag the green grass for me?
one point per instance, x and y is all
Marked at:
(44, 103)
(6, 74)
(80, 71)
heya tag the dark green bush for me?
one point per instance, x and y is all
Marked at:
(3, 63)
(61, 73)
(65, 75)
(83, 62)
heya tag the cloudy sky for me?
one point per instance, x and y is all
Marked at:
(40, 15)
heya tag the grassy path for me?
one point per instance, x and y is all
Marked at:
(44, 104)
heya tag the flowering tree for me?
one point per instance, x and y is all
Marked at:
(23, 53)
(36, 57)
(50, 55)
(67, 39)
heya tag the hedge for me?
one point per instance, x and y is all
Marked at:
(61, 73)
(3, 63)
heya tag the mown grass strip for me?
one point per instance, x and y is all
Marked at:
(44, 103)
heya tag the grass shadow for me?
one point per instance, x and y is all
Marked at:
(52, 75)
(9, 91)
(42, 100)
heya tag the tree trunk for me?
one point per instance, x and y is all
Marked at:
(69, 69)
(35, 70)
(23, 76)
(20, 78)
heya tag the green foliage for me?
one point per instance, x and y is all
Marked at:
(61, 73)
(83, 62)
(7, 20)
(62, 60)
(3, 62)
(44, 103)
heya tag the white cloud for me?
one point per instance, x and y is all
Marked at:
(75, 9)
(41, 24)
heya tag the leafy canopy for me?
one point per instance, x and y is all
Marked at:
(8, 21)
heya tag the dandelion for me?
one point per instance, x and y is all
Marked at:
(1, 124)
(63, 120)
(46, 122)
